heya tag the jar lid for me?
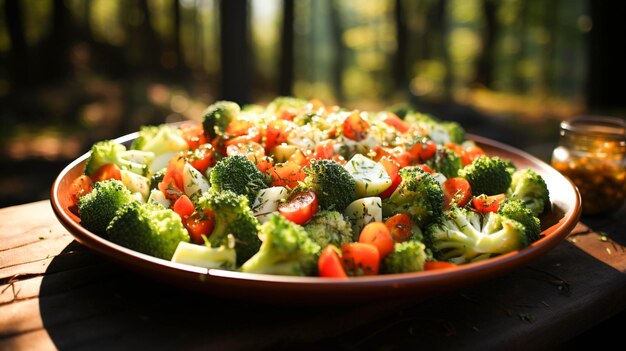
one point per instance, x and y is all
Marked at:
(604, 127)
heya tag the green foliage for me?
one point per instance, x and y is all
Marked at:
(329, 227)
(239, 175)
(488, 175)
(286, 250)
(218, 116)
(418, 195)
(98, 208)
(233, 216)
(148, 228)
(529, 187)
(334, 185)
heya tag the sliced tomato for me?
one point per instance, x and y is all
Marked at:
(423, 150)
(399, 226)
(199, 223)
(377, 234)
(201, 158)
(456, 191)
(470, 154)
(433, 265)
(329, 264)
(80, 186)
(276, 133)
(325, 150)
(286, 174)
(355, 127)
(300, 207)
(107, 171)
(393, 170)
(301, 157)
(360, 259)
(252, 150)
(393, 120)
(172, 184)
(237, 128)
(485, 204)
(253, 135)
(183, 206)
(193, 133)
(264, 164)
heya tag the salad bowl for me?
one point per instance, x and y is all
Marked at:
(556, 225)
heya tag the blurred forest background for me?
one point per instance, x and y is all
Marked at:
(76, 71)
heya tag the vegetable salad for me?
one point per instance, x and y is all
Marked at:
(300, 188)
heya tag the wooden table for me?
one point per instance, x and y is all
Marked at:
(54, 293)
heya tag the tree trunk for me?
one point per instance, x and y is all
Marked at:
(399, 67)
(18, 55)
(484, 73)
(287, 50)
(235, 51)
(337, 35)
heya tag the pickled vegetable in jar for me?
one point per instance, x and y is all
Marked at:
(591, 153)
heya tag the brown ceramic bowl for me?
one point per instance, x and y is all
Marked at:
(283, 289)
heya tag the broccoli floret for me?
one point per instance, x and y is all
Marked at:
(156, 178)
(329, 227)
(148, 228)
(286, 250)
(332, 183)
(517, 211)
(446, 162)
(529, 187)
(97, 209)
(408, 256)
(418, 195)
(488, 175)
(462, 236)
(218, 116)
(454, 132)
(108, 151)
(239, 175)
(160, 140)
(232, 216)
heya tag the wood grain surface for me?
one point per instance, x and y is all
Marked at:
(56, 294)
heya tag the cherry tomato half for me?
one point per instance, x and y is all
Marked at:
(329, 264)
(300, 207)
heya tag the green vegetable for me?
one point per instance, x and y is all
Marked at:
(224, 257)
(488, 175)
(286, 250)
(334, 186)
(529, 187)
(463, 236)
(239, 175)
(148, 228)
(160, 139)
(446, 162)
(329, 227)
(108, 151)
(517, 211)
(408, 256)
(418, 195)
(232, 216)
(218, 116)
(97, 209)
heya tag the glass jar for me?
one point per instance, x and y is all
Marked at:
(591, 153)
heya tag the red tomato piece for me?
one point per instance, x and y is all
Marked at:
(183, 206)
(393, 170)
(325, 150)
(377, 234)
(252, 150)
(399, 226)
(193, 133)
(199, 223)
(301, 157)
(433, 265)
(253, 135)
(276, 133)
(203, 157)
(80, 186)
(264, 164)
(423, 150)
(393, 120)
(172, 184)
(425, 168)
(355, 127)
(286, 174)
(485, 204)
(329, 264)
(360, 259)
(470, 154)
(456, 191)
(300, 207)
(107, 171)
